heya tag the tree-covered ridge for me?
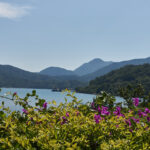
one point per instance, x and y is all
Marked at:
(120, 78)
(114, 66)
(14, 77)
(57, 71)
(90, 70)
(91, 66)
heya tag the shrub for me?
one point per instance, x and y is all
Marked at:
(73, 125)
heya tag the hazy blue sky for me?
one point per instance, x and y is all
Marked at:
(35, 34)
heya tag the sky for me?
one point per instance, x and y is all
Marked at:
(35, 34)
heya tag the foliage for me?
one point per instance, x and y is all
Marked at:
(130, 91)
(14, 77)
(122, 77)
(72, 125)
(114, 66)
(104, 99)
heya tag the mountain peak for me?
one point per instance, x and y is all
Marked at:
(96, 60)
(115, 66)
(56, 71)
(91, 66)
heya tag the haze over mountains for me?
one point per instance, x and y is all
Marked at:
(55, 77)
(93, 69)
(14, 77)
(57, 71)
(91, 66)
(84, 69)
(114, 66)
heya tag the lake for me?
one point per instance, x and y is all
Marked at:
(46, 94)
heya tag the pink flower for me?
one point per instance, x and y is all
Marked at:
(97, 118)
(148, 119)
(140, 113)
(31, 118)
(117, 112)
(117, 126)
(25, 111)
(67, 114)
(135, 120)
(38, 122)
(45, 105)
(136, 101)
(99, 109)
(147, 110)
(128, 122)
(64, 120)
(105, 111)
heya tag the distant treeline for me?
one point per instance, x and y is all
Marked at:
(132, 74)
(117, 79)
(14, 77)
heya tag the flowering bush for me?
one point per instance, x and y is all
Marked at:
(72, 125)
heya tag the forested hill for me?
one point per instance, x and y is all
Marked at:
(84, 69)
(14, 77)
(112, 81)
(114, 66)
(57, 71)
(91, 66)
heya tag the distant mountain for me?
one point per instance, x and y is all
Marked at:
(91, 66)
(55, 77)
(14, 77)
(111, 82)
(114, 66)
(56, 71)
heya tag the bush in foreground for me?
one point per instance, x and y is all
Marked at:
(72, 125)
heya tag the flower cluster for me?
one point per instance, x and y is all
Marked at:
(25, 111)
(97, 118)
(103, 110)
(136, 101)
(118, 112)
(75, 126)
(45, 105)
(141, 114)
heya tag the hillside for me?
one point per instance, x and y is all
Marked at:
(114, 66)
(57, 71)
(14, 77)
(60, 78)
(90, 70)
(91, 66)
(84, 69)
(120, 78)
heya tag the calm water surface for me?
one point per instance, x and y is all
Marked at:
(46, 94)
